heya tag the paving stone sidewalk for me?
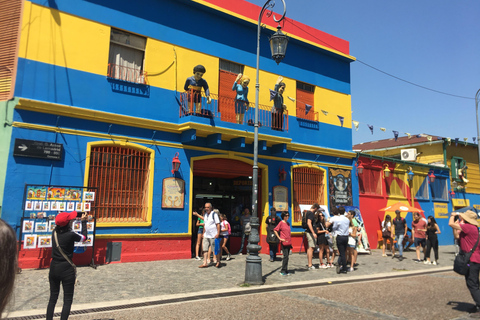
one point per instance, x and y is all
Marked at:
(127, 281)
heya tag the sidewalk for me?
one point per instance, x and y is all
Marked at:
(123, 283)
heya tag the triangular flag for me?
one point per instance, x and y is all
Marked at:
(273, 94)
(474, 138)
(456, 141)
(341, 120)
(325, 112)
(370, 127)
(418, 136)
(355, 124)
(449, 140)
(395, 134)
(465, 139)
(408, 135)
(429, 138)
(383, 129)
(307, 108)
(291, 98)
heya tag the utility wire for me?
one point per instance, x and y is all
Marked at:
(386, 73)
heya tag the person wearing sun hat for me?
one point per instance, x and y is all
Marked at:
(61, 269)
(467, 224)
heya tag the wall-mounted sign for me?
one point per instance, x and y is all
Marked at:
(280, 198)
(440, 210)
(460, 202)
(173, 194)
(340, 187)
(38, 149)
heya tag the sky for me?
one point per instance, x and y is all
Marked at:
(434, 44)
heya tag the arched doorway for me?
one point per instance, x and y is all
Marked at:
(227, 184)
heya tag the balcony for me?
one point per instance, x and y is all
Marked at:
(122, 73)
(223, 108)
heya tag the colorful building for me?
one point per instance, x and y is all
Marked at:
(453, 165)
(98, 88)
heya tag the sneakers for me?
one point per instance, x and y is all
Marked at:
(312, 267)
(400, 258)
(350, 269)
(198, 258)
(322, 266)
(285, 274)
(271, 260)
(384, 255)
(338, 268)
(434, 263)
(330, 265)
(426, 262)
(228, 257)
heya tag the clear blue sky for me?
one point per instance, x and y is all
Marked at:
(432, 43)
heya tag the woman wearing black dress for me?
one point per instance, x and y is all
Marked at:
(432, 240)
(322, 242)
(61, 268)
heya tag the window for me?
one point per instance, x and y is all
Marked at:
(420, 184)
(126, 58)
(305, 96)
(121, 175)
(439, 188)
(370, 182)
(308, 188)
(457, 164)
(395, 184)
(226, 102)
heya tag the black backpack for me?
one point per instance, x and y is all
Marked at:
(304, 220)
(271, 237)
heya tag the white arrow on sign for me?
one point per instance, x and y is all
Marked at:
(23, 147)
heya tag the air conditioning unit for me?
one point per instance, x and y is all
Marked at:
(408, 154)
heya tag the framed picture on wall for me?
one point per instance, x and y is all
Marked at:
(30, 241)
(27, 226)
(45, 241)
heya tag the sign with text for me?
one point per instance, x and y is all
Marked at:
(441, 210)
(173, 193)
(280, 198)
(38, 149)
(340, 187)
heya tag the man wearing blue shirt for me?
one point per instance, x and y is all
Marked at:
(340, 225)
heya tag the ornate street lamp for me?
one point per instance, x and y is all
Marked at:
(175, 163)
(386, 171)
(431, 176)
(278, 44)
(410, 174)
(282, 175)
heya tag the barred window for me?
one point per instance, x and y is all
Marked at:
(370, 182)
(121, 175)
(308, 188)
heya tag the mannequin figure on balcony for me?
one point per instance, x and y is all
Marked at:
(194, 85)
(278, 106)
(241, 100)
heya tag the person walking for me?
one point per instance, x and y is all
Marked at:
(311, 233)
(271, 222)
(283, 233)
(225, 231)
(432, 240)
(340, 225)
(212, 232)
(467, 225)
(62, 269)
(387, 235)
(419, 227)
(400, 227)
(198, 246)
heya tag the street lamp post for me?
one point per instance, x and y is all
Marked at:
(278, 45)
(477, 97)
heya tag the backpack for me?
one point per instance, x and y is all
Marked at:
(271, 237)
(304, 221)
(229, 228)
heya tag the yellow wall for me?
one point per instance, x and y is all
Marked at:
(470, 155)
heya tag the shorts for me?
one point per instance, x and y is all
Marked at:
(224, 236)
(352, 246)
(207, 243)
(200, 231)
(334, 243)
(420, 241)
(311, 240)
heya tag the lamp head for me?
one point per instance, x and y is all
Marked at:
(278, 45)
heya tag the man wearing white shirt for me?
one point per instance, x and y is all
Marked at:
(340, 225)
(211, 232)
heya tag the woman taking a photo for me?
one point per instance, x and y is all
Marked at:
(62, 269)
(432, 240)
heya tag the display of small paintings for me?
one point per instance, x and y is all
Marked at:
(36, 193)
(27, 226)
(74, 194)
(30, 241)
(70, 206)
(46, 206)
(41, 227)
(89, 241)
(86, 206)
(37, 205)
(79, 206)
(51, 225)
(90, 226)
(54, 206)
(89, 196)
(77, 226)
(28, 205)
(45, 241)
(56, 193)
(61, 206)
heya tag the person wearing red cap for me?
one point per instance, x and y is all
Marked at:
(61, 270)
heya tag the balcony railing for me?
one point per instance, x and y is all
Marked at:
(302, 113)
(119, 72)
(223, 108)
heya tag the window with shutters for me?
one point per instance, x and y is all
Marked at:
(458, 163)
(226, 96)
(305, 101)
(308, 188)
(122, 178)
(126, 57)
(370, 182)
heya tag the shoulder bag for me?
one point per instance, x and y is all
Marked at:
(66, 257)
(461, 263)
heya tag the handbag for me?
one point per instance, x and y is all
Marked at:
(461, 263)
(385, 232)
(66, 257)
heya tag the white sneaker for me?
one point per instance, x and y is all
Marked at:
(198, 258)
(434, 263)
(311, 268)
(229, 257)
(322, 266)
(426, 262)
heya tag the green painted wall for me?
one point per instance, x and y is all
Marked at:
(6, 114)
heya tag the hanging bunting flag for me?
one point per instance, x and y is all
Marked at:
(307, 108)
(456, 141)
(429, 138)
(341, 120)
(370, 127)
(465, 140)
(291, 98)
(395, 134)
(273, 94)
(355, 124)
(325, 112)
(418, 136)
(474, 138)
(449, 140)
(383, 129)
(408, 135)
